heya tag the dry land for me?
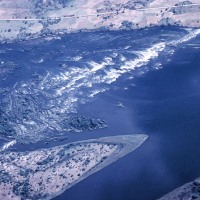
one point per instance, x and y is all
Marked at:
(46, 17)
(46, 173)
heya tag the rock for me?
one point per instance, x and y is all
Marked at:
(81, 123)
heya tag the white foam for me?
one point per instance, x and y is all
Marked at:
(122, 58)
(9, 144)
(143, 57)
(96, 66)
(74, 85)
(109, 61)
(127, 47)
(191, 34)
(49, 38)
(77, 58)
(114, 55)
(157, 66)
(41, 60)
(95, 92)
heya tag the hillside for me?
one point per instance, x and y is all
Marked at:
(50, 16)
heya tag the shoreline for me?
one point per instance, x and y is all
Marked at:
(43, 171)
(121, 16)
(187, 191)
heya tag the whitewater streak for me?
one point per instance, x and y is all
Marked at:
(8, 144)
(145, 56)
(55, 96)
(191, 34)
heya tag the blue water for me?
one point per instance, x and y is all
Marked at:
(160, 97)
(165, 105)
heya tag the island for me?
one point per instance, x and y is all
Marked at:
(46, 173)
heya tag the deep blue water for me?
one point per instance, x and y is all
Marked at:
(165, 104)
(160, 97)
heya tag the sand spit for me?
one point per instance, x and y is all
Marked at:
(189, 191)
(46, 173)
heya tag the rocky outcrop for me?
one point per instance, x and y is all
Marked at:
(81, 123)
